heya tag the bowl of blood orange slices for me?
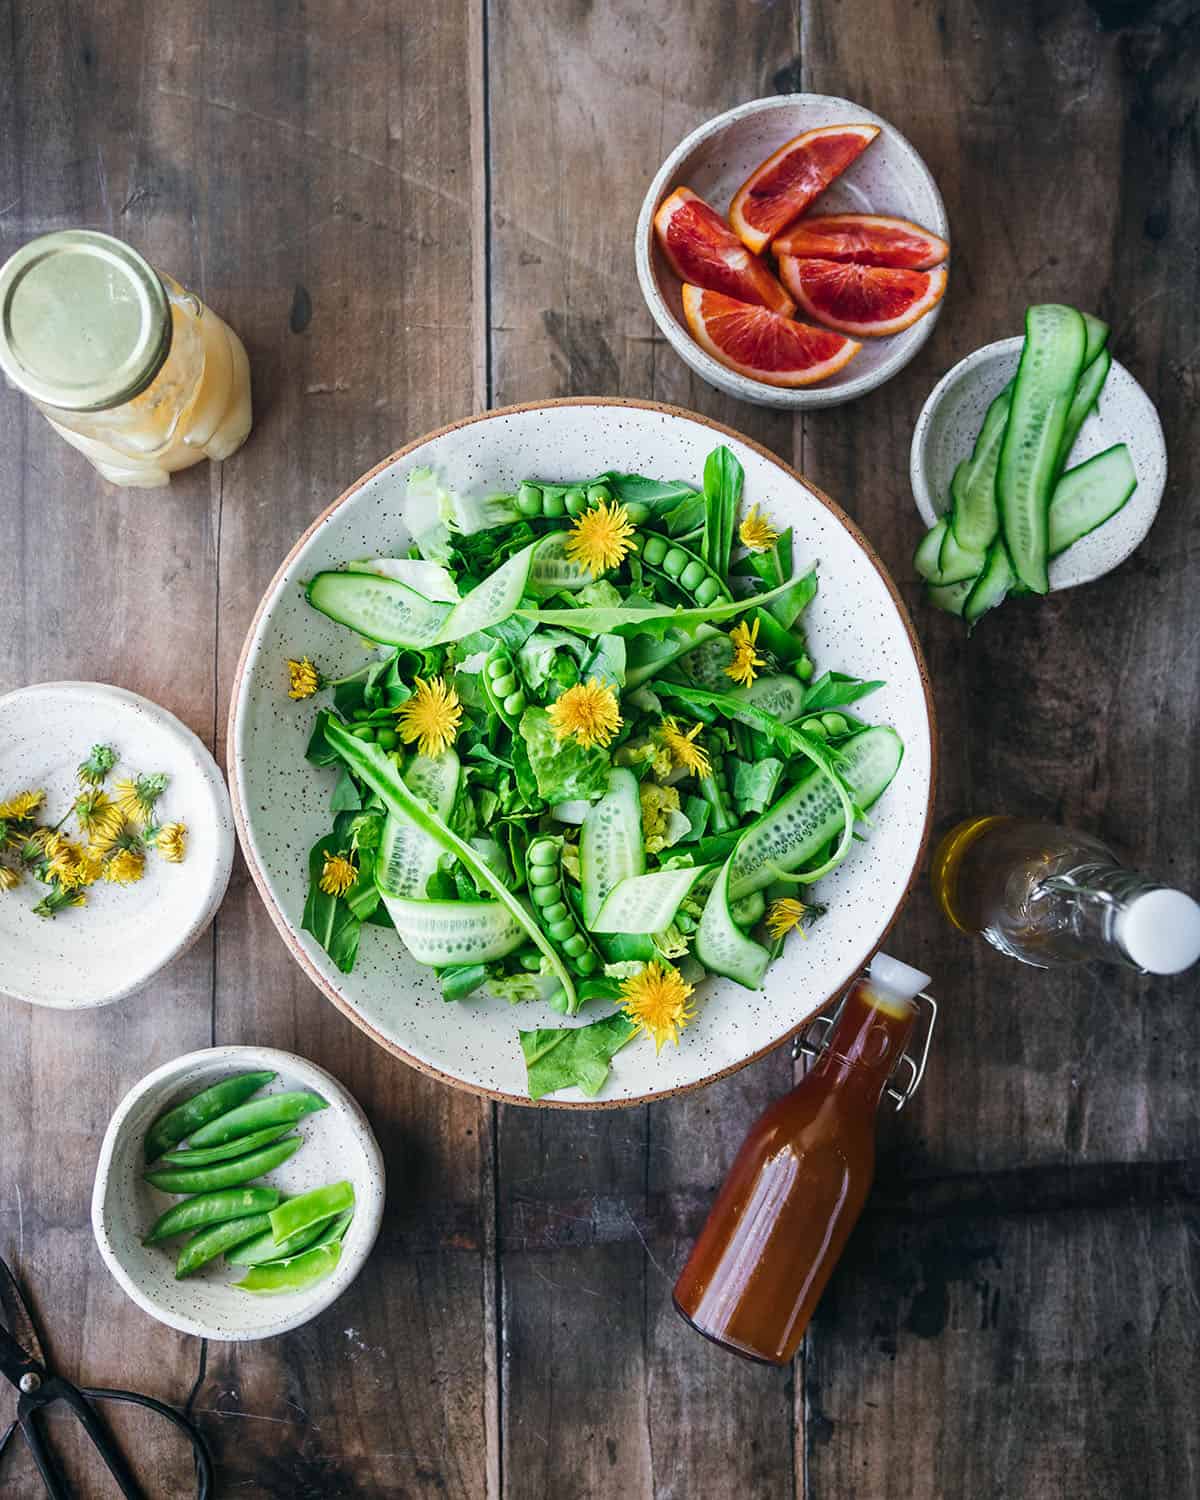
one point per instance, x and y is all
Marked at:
(794, 251)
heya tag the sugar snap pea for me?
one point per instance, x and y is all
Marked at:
(226, 1174)
(211, 1208)
(197, 1111)
(299, 1213)
(552, 909)
(294, 1275)
(503, 686)
(211, 1242)
(273, 1109)
(687, 571)
(240, 1147)
(262, 1249)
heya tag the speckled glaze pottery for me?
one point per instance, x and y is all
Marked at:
(952, 416)
(338, 1143)
(888, 178)
(856, 624)
(126, 934)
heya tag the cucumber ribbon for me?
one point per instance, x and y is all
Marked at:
(372, 765)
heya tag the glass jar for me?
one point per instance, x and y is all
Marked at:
(126, 365)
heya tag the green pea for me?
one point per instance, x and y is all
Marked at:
(363, 732)
(499, 665)
(556, 913)
(212, 1208)
(386, 739)
(835, 723)
(707, 592)
(575, 946)
(226, 1174)
(543, 895)
(272, 1109)
(529, 500)
(560, 931)
(655, 550)
(543, 875)
(514, 704)
(504, 685)
(693, 575)
(215, 1240)
(576, 500)
(674, 562)
(638, 513)
(587, 963)
(814, 726)
(294, 1274)
(179, 1122)
(599, 494)
(554, 505)
(544, 852)
(531, 961)
(803, 668)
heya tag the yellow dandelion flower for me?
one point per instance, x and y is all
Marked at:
(783, 915)
(9, 878)
(99, 816)
(746, 660)
(66, 863)
(601, 538)
(756, 532)
(338, 875)
(303, 679)
(93, 857)
(684, 750)
(22, 806)
(171, 842)
(35, 842)
(657, 1002)
(587, 713)
(100, 761)
(431, 716)
(126, 867)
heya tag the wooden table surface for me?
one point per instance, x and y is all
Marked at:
(413, 211)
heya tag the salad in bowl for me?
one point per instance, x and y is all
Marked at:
(584, 762)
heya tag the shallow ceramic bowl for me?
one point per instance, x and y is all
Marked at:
(888, 178)
(857, 624)
(338, 1143)
(126, 934)
(952, 416)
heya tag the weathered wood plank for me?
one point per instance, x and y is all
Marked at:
(605, 1391)
(1077, 709)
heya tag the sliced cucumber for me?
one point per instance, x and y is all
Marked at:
(794, 830)
(408, 855)
(951, 597)
(956, 563)
(1090, 494)
(1087, 393)
(782, 697)
(382, 609)
(552, 571)
(1055, 344)
(975, 519)
(455, 932)
(721, 945)
(927, 557)
(646, 656)
(647, 903)
(610, 843)
(990, 588)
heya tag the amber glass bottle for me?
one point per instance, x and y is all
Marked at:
(800, 1180)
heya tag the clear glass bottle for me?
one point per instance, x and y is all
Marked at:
(1048, 895)
(126, 365)
(798, 1185)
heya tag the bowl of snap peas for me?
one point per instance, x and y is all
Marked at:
(239, 1192)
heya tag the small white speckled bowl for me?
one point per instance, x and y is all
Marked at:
(888, 178)
(952, 416)
(338, 1143)
(126, 934)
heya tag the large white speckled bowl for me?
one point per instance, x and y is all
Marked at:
(125, 935)
(857, 624)
(338, 1143)
(953, 414)
(888, 178)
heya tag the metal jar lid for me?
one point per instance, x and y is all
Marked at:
(84, 321)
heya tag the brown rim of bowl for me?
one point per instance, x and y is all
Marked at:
(283, 926)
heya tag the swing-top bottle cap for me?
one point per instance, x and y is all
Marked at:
(894, 980)
(1160, 931)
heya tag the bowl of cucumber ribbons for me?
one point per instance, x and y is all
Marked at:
(581, 752)
(1037, 463)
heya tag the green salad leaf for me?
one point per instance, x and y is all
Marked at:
(557, 1057)
(563, 769)
(836, 690)
(653, 619)
(722, 491)
(330, 919)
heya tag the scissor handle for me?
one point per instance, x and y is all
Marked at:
(53, 1389)
(204, 1466)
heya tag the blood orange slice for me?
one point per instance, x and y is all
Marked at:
(866, 239)
(703, 250)
(761, 344)
(786, 183)
(865, 301)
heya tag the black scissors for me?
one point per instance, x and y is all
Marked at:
(22, 1362)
